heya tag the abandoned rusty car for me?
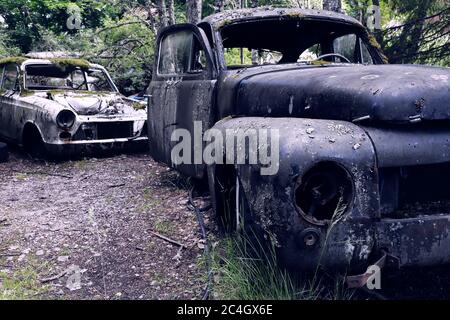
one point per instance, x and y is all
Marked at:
(364, 146)
(65, 106)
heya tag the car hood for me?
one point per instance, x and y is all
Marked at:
(396, 93)
(92, 104)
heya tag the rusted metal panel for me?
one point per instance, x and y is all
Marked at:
(363, 94)
(376, 134)
(273, 197)
(238, 16)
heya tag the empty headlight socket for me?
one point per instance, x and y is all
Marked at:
(324, 190)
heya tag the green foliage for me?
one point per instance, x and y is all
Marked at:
(121, 35)
(408, 35)
(124, 46)
(233, 57)
(25, 18)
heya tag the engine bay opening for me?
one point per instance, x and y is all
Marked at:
(324, 191)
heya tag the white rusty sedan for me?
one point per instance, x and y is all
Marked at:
(66, 106)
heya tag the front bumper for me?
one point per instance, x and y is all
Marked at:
(354, 244)
(91, 147)
(422, 241)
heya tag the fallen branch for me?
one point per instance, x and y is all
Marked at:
(48, 174)
(12, 254)
(174, 242)
(41, 173)
(116, 185)
(56, 277)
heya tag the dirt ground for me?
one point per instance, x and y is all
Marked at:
(82, 230)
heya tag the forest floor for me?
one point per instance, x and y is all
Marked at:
(83, 230)
(86, 230)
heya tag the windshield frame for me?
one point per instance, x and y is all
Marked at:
(91, 68)
(362, 33)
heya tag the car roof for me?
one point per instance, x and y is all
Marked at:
(48, 58)
(226, 17)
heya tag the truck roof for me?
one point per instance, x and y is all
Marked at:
(226, 17)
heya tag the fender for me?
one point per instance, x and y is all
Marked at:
(305, 143)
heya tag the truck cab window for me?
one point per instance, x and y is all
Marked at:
(181, 53)
(351, 47)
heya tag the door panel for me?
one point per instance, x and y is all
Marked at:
(8, 95)
(181, 91)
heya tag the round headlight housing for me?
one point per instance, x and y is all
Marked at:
(324, 193)
(65, 119)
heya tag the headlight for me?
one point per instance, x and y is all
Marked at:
(324, 193)
(65, 119)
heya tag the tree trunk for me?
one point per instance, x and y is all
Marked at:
(171, 11)
(194, 11)
(332, 5)
(162, 13)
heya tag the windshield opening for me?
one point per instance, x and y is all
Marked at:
(53, 77)
(270, 41)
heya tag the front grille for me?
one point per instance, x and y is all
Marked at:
(416, 190)
(114, 130)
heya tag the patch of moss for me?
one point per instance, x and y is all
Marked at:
(319, 62)
(26, 93)
(294, 14)
(223, 23)
(373, 41)
(138, 106)
(384, 57)
(71, 62)
(80, 92)
(18, 60)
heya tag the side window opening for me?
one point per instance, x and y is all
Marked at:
(346, 46)
(77, 80)
(181, 53)
(353, 48)
(365, 54)
(10, 77)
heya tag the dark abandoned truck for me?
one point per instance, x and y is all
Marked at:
(59, 106)
(364, 146)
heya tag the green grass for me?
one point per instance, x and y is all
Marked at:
(240, 275)
(163, 226)
(22, 284)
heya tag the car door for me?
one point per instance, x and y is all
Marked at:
(181, 94)
(9, 91)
